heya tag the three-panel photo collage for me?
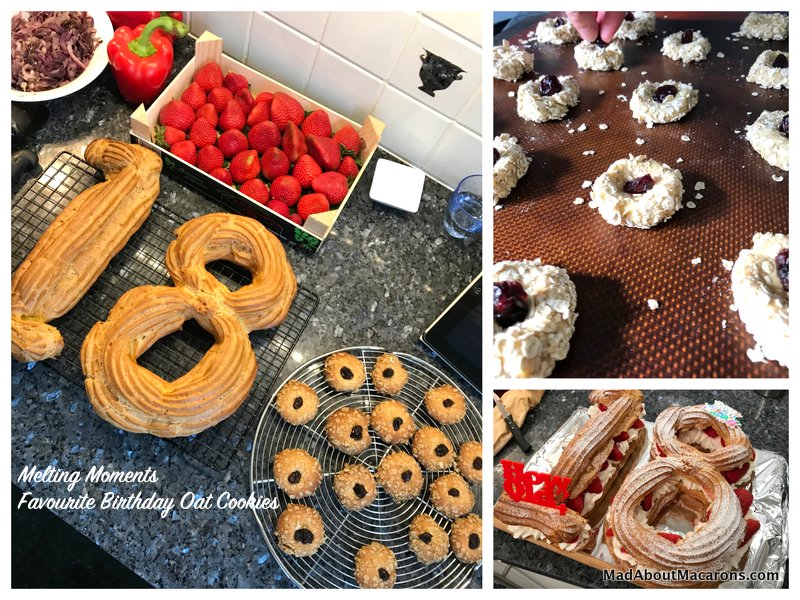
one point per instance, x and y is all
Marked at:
(253, 341)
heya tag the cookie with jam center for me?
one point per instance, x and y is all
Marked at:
(300, 530)
(348, 430)
(296, 472)
(296, 402)
(344, 372)
(452, 496)
(433, 449)
(376, 567)
(400, 475)
(355, 487)
(466, 538)
(446, 404)
(427, 540)
(389, 375)
(470, 461)
(392, 422)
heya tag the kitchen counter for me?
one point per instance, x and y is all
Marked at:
(382, 277)
(765, 420)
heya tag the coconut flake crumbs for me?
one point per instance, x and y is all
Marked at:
(588, 152)
(601, 92)
(603, 126)
(755, 93)
(777, 178)
(571, 131)
(511, 94)
(737, 131)
(697, 260)
(720, 55)
(700, 185)
(686, 138)
(639, 141)
(745, 47)
(724, 323)
(680, 160)
(727, 37)
(749, 112)
(698, 196)
(586, 184)
(498, 207)
(727, 264)
(623, 69)
(649, 125)
(623, 84)
(639, 44)
(582, 127)
(652, 304)
(622, 97)
(691, 204)
(578, 201)
(644, 72)
(733, 308)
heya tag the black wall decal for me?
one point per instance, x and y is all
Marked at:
(437, 73)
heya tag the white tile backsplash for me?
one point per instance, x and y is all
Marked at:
(470, 116)
(306, 22)
(280, 52)
(466, 24)
(457, 155)
(372, 40)
(430, 36)
(232, 27)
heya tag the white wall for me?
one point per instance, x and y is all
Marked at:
(360, 63)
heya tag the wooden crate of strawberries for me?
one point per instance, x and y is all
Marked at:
(256, 146)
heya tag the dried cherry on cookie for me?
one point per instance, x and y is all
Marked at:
(663, 92)
(781, 62)
(640, 185)
(784, 126)
(629, 16)
(549, 85)
(687, 37)
(511, 303)
(782, 266)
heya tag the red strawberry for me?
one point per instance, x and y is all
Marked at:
(209, 158)
(194, 96)
(256, 189)
(735, 475)
(325, 151)
(222, 174)
(279, 207)
(710, 432)
(286, 189)
(274, 163)
(209, 76)
(615, 455)
(284, 109)
(660, 451)
(203, 133)
(293, 142)
(219, 97)
(177, 114)
(609, 532)
(207, 112)
(751, 526)
(311, 204)
(232, 142)
(185, 150)
(165, 136)
(245, 100)
(332, 184)
(295, 218)
(745, 499)
(258, 114)
(348, 168)
(622, 437)
(604, 466)
(305, 170)
(232, 117)
(235, 82)
(245, 166)
(264, 135)
(265, 97)
(672, 537)
(595, 486)
(575, 504)
(348, 139)
(638, 424)
(647, 503)
(602, 407)
(317, 123)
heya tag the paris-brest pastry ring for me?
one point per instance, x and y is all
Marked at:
(721, 533)
(135, 399)
(678, 431)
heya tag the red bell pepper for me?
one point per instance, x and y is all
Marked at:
(136, 18)
(141, 59)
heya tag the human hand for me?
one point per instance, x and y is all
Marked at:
(590, 25)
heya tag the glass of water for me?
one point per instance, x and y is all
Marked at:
(462, 219)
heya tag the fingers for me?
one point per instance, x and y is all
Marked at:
(586, 24)
(609, 23)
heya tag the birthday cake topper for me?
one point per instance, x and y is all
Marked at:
(723, 412)
(543, 489)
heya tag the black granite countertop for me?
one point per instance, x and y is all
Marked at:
(765, 420)
(382, 277)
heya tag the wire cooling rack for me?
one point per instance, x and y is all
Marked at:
(141, 262)
(383, 521)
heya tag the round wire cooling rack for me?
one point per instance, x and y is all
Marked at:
(384, 521)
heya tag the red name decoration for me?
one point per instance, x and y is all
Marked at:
(519, 485)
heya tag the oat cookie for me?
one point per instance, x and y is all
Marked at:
(636, 24)
(446, 404)
(769, 136)
(392, 422)
(355, 487)
(510, 164)
(765, 26)
(470, 461)
(399, 474)
(556, 30)
(686, 46)
(427, 540)
(466, 538)
(348, 431)
(760, 285)
(389, 375)
(296, 472)
(547, 98)
(662, 101)
(296, 402)
(599, 56)
(511, 62)
(433, 449)
(452, 496)
(300, 530)
(770, 70)
(637, 192)
(376, 567)
(534, 317)
(344, 372)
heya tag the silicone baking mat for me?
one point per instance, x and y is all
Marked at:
(694, 332)
(141, 262)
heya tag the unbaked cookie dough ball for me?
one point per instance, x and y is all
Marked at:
(636, 24)
(765, 26)
(510, 61)
(637, 192)
(296, 472)
(355, 487)
(466, 538)
(389, 375)
(376, 567)
(296, 402)
(770, 70)
(344, 372)
(300, 530)
(446, 404)
(427, 540)
(510, 164)
(557, 30)
(433, 449)
(392, 422)
(470, 461)
(348, 431)
(662, 101)
(769, 136)
(599, 56)
(400, 475)
(686, 46)
(452, 496)
(547, 98)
